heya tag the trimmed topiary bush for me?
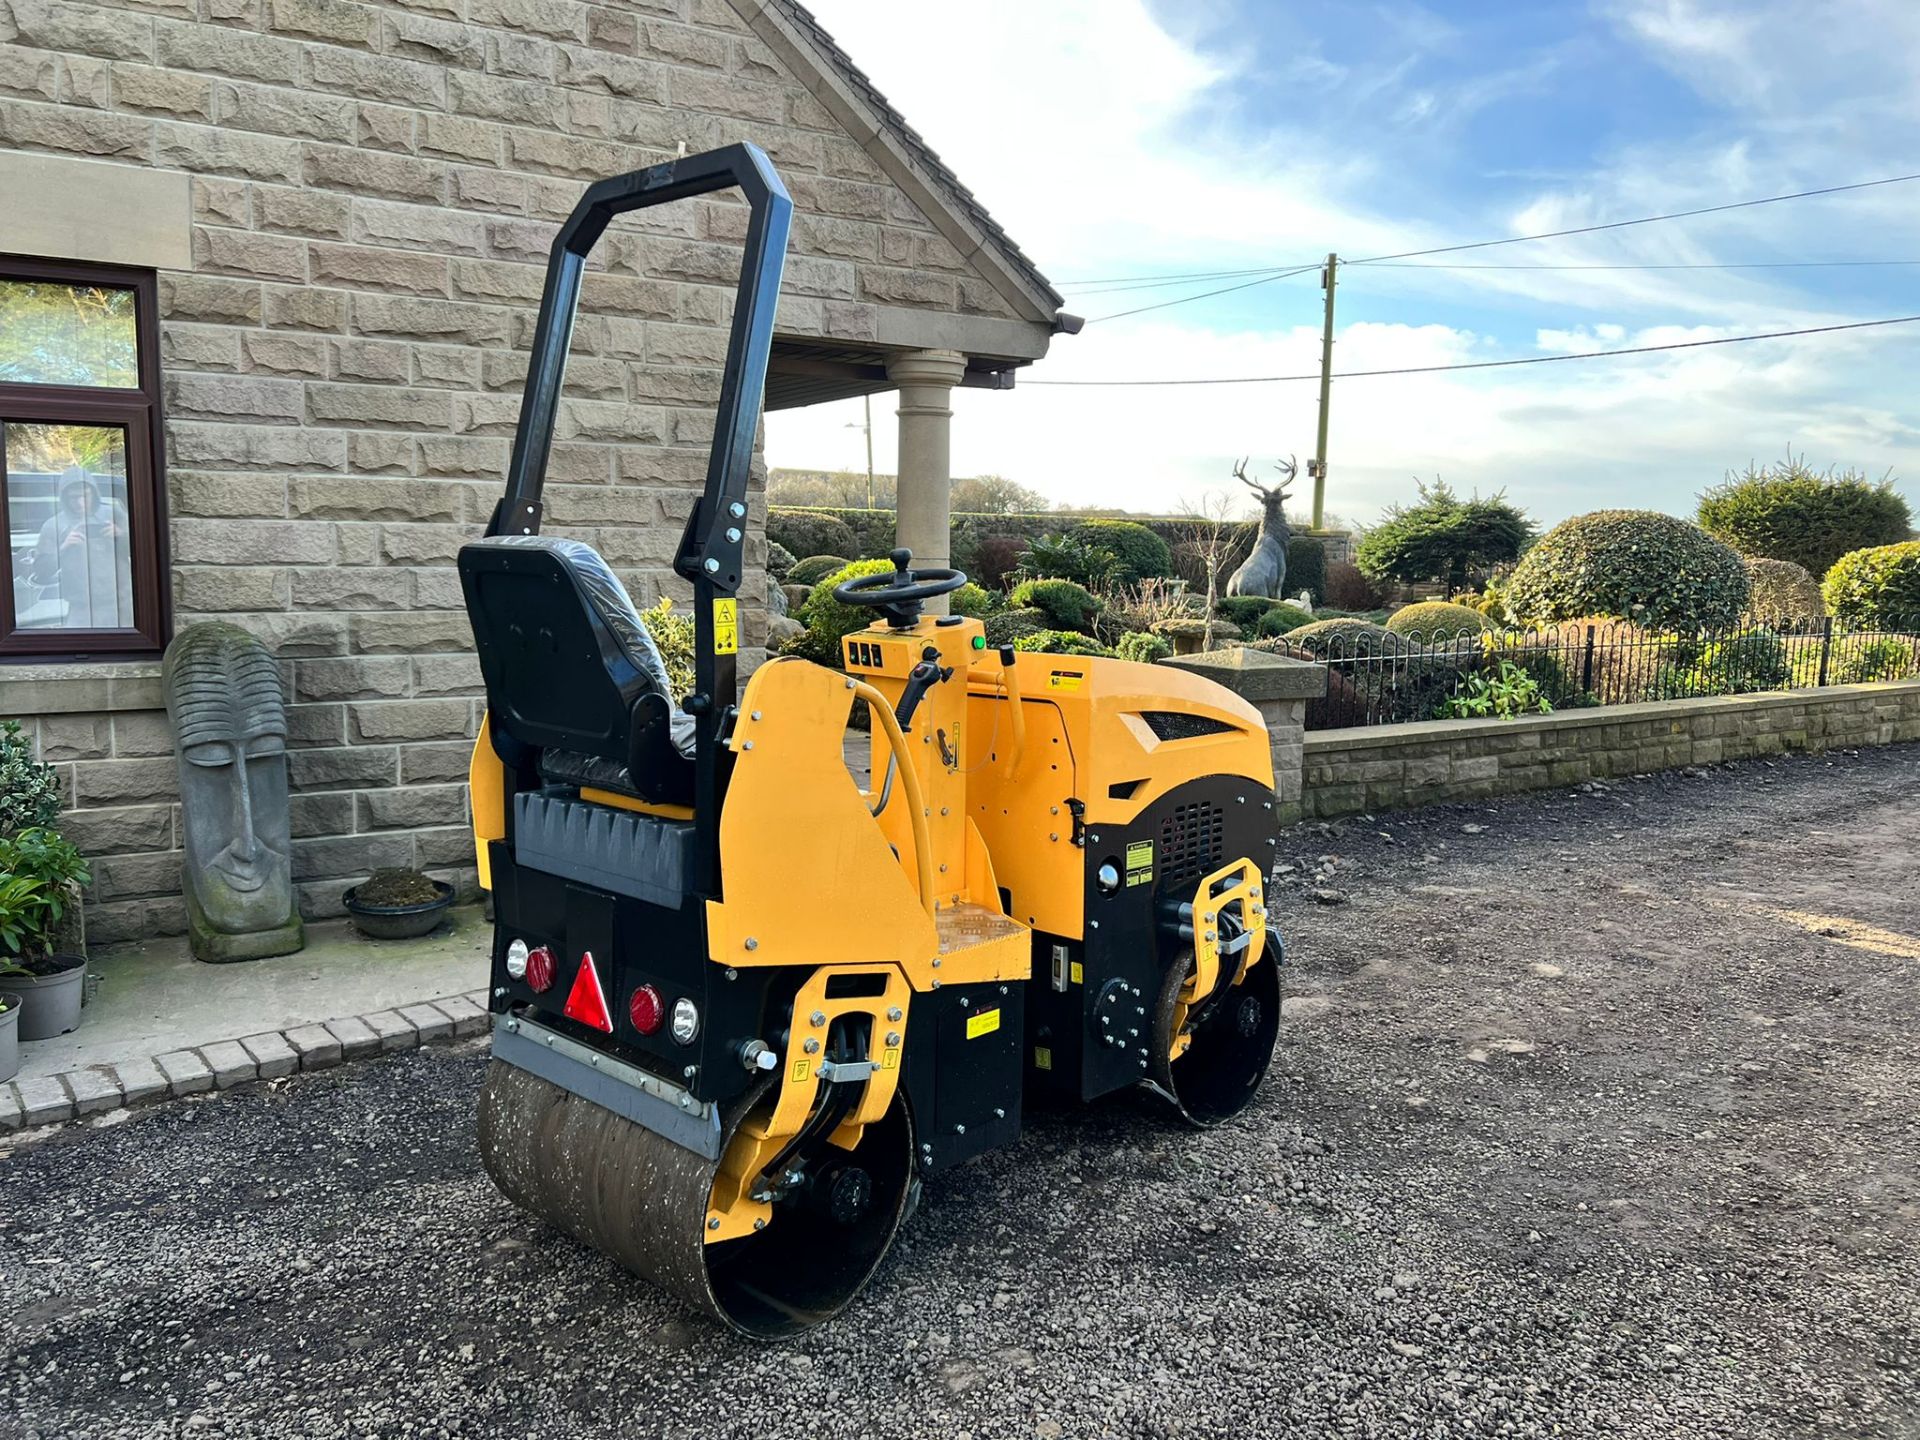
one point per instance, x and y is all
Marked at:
(1876, 589)
(1281, 619)
(1009, 625)
(1640, 564)
(1061, 642)
(1436, 620)
(814, 569)
(780, 560)
(1781, 590)
(1786, 511)
(1142, 648)
(1342, 640)
(1244, 610)
(829, 620)
(805, 532)
(971, 599)
(1068, 606)
(1140, 554)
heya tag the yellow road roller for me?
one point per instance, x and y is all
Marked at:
(745, 1003)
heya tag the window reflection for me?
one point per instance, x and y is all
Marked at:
(67, 526)
(54, 334)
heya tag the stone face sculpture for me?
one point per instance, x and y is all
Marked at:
(1264, 572)
(230, 739)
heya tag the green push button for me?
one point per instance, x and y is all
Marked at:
(979, 642)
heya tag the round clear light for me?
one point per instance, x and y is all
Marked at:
(1107, 877)
(686, 1020)
(517, 960)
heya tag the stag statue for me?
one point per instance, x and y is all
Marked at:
(1264, 572)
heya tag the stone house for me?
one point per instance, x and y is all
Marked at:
(268, 271)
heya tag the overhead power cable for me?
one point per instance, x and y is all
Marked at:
(1516, 239)
(1495, 364)
(1225, 290)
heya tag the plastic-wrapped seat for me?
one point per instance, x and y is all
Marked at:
(570, 669)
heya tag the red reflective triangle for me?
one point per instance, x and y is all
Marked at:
(587, 1002)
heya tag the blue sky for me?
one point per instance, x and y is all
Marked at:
(1136, 137)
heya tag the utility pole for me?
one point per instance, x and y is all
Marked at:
(1318, 467)
(867, 402)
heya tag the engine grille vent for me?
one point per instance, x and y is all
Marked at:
(1191, 841)
(1175, 725)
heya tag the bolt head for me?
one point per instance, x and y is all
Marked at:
(818, 1017)
(894, 1013)
(713, 1223)
(752, 944)
(712, 567)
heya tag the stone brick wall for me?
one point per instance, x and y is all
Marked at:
(1395, 767)
(375, 188)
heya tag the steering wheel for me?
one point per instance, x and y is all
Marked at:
(902, 593)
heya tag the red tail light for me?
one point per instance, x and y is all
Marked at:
(540, 969)
(647, 1010)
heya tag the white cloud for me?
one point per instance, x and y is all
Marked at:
(1107, 144)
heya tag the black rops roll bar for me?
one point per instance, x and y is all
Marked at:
(711, 547)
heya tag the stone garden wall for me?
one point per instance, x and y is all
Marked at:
(1394, 767)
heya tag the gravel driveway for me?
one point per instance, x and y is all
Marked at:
(1596, 1115)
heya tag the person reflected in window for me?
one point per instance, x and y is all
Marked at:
(82, 556)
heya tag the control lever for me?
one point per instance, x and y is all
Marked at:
(922, 678)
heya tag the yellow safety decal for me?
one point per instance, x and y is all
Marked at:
(890, 1060)
(1140, 862)
(985, 1023)
(799, 1072)
(1065, 679)
(1042, 1058)
(1078, 972)
(726, 627)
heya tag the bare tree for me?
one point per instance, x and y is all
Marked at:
(1206, 531)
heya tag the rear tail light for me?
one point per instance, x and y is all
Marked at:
(647, 1010)
(517, 954)
(686, 1021)
(540, 969)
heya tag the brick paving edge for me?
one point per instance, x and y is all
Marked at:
(244, 1060)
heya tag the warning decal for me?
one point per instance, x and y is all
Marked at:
(985, 1023)
(1140, 862)
(1064, 679)
(726, 627)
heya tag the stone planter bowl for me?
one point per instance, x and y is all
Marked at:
(50, 1004)
(398, 922)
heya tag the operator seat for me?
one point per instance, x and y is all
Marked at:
(571, 671)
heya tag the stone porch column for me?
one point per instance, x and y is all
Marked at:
(924, 519)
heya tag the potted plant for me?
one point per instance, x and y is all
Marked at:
(397, 904)
(9, 1036)
(41, 873)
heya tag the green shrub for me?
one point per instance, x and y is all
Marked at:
(1781, 590)
(971, 599)
(1442, 537)
(29, 790)
(991, 558)
(1436, 620)
(1067, 557)
(1742, 664)
(1009, 625)
(1068, 606)
(1502, 693)
(1282, 619)
(829, 620)
(1641, 564)
(1140, 554)
(1877, 589)
(808, 532)
(1142, 648)
(1061, 642)
(1786, 511)
(40, 869)
(1244, 610)
(1343, 639)
(673, 638)
(780, 561)
(1306, 567)
(814, 569)
(1885, 657)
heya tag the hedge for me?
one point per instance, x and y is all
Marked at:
(1876, 589)
(1641, 564)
